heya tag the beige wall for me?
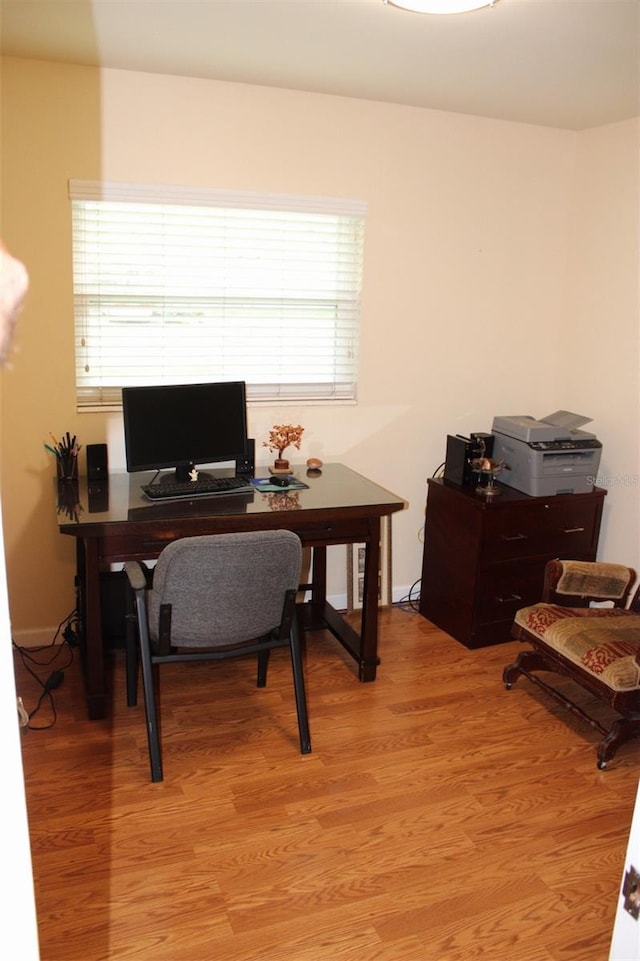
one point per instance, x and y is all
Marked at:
(478, 268)
(600, 344)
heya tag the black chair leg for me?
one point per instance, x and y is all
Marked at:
(263, 664)
(150, 707)
(298, 685)
(131, 653)
(151, 714)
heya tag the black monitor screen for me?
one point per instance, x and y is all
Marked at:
(181, 425)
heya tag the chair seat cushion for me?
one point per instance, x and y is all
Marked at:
(602, 641)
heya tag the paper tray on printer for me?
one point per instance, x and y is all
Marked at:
(556, 426)
(566, 420)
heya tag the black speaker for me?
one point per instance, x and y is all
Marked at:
(246, 467)
(461, 452)
(98, 496)
(97, 462)
(457, 467)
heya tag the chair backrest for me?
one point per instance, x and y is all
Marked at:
(224, 588)
(634, 604)
(571, 581)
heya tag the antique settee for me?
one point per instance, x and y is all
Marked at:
(586, 629)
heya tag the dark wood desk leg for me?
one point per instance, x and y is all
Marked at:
(94, 674)
(319, 579)
(369, 659)
(363, 647)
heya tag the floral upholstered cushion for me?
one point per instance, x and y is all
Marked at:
(603, 641)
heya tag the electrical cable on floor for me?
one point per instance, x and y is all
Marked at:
(411, 601)
(54, 679)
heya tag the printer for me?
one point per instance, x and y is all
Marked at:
(547, 456)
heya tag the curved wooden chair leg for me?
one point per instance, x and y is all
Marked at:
(525, 662)
(624, 729)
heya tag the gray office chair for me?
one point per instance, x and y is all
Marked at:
(215, 597)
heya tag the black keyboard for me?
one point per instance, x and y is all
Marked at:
(206, 486)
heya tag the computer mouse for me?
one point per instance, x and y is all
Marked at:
(280, 481)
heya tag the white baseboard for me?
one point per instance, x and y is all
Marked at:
(339, 601)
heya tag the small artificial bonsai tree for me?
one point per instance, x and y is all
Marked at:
(282, 436)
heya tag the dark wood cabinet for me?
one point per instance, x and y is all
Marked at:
(484, 558)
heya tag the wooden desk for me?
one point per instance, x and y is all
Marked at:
(114, 523)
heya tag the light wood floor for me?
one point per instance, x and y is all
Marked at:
(439, 817)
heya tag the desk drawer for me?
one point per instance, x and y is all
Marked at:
(324, 534)
(148, 543)
(123, 547)
(504, 589)
(564, 529)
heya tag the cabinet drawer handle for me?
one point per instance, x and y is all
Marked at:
(508, 600)
(573, 530)
(515, 537)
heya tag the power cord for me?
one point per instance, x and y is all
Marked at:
(411, 601)
(68, 629)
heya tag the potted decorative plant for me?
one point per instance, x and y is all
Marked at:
(282, 436)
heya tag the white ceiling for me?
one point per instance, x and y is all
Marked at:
(563, 63)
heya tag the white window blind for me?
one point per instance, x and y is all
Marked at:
(174, 285)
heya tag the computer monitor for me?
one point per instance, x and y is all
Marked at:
(180, 426)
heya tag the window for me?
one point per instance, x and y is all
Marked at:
(174, 285)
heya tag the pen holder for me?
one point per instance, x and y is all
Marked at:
(69, 499)
(67, 466)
